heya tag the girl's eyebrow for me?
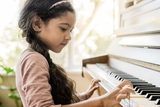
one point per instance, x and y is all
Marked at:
(66, 24)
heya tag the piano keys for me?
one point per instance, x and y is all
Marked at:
(149, 94)
(104, 71)
(154, 97)
(157, 101)
(147, 88)
(139, 85)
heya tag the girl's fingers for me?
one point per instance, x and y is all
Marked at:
(94, 88)
(125, 83)
(115, 92)
(128, 96)
(95, 81)
(121, 96)
(127, 90)
(123, 93)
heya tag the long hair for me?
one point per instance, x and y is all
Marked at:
(63, 88)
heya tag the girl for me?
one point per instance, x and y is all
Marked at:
(46, 25)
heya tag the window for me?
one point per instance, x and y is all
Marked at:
(96, 21)
(9, 33)
(92, 34)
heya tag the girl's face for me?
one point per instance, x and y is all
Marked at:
(57, 32)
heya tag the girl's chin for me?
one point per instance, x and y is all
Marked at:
(57, 50)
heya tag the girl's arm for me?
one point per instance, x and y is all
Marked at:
(113, 98)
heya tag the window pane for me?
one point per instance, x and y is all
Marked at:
(91, 36)
(94, 29)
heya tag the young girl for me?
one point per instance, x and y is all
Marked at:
(46, 25)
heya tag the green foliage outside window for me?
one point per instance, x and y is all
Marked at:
(12, 89)
(11, 45)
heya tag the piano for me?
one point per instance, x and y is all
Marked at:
(134, 54)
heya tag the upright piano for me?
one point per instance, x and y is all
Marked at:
(134, 54)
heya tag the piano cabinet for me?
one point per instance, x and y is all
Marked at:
(134, 54)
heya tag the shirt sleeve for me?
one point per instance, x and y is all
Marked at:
(35, 82)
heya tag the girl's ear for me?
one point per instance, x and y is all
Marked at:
(37, 24)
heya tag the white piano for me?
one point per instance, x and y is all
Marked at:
(134, 54)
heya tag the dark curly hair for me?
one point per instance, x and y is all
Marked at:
(63, 88)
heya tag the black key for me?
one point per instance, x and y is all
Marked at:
(119, 78)
(134, 79)
(137, 87)
(154, 97)
(157, 102)
(147, 88)
(113, 75)
(122, 74)
(142, 84)
(138, 82)
(125, 75)
(144, 92)
(149, 94)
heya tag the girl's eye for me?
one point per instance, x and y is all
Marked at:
(71, 30)
(63, 29)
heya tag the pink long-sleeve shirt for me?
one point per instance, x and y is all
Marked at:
(32, 80)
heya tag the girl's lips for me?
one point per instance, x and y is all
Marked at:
(63, 43)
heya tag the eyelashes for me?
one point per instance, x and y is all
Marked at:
(65, 29)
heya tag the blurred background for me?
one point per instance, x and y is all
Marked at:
(93, 32)
(96, 26)
(96, 21)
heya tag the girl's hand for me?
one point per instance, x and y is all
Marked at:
(92, 87)
(123, 91)
(125, 83)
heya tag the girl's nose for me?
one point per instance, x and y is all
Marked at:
(68, 36)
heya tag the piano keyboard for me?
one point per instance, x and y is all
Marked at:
(147, 94)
